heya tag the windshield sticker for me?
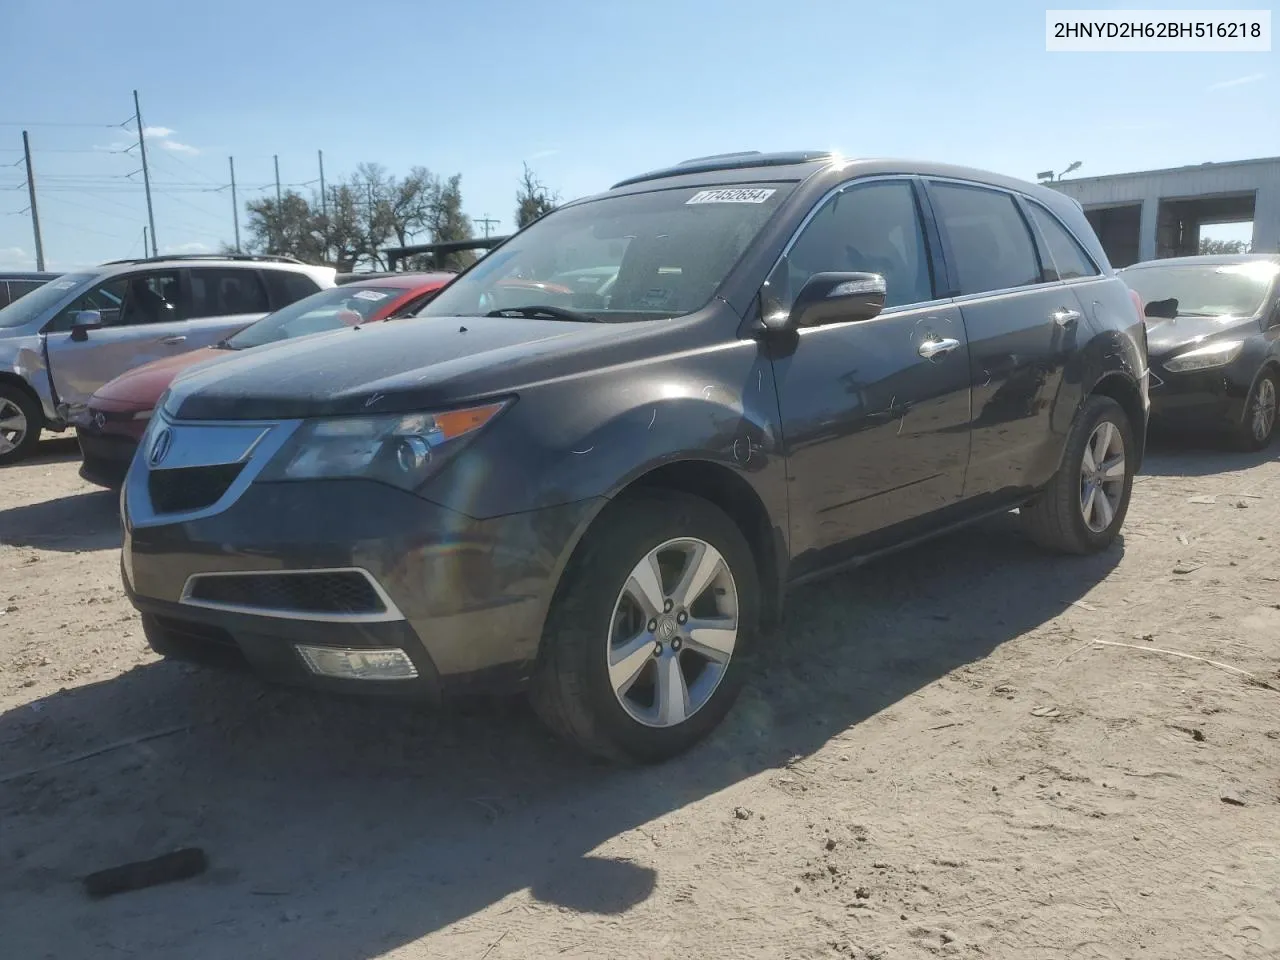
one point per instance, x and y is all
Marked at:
(741, 195)
(373, 295)
(64, 284)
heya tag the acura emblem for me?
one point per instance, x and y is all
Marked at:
(160, 449)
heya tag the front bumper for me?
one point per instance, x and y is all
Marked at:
(465, 599)
(105, 457)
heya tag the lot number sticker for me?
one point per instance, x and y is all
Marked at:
(373, 295)
(742, 195)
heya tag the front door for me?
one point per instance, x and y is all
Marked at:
(143, 320)
(875, 414)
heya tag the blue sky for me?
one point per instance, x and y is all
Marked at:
(586, 92)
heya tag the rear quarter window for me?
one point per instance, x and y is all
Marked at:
(1069, 258)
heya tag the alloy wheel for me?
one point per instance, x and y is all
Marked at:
(673, 632)
(13, 425)
(1264, 409)
(1102, 476)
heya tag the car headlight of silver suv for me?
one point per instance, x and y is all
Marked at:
(402, 450)
(1205, 358)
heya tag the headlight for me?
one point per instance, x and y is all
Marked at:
(1205, 358)
(401, 450)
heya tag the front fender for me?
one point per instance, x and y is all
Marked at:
(592, 435)
(24, 358)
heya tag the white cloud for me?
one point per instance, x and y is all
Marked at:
(15, 258)
(118, 146)
(158, 132)
(175, 147)
(542, 155)
(1238, 81)
(193, 247)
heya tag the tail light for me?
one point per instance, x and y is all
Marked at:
(1137, 303)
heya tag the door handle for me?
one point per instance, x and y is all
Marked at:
(1065, 317)
(170, 341)
(936, 348)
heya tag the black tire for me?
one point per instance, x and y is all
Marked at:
(30, 408)
(1243, 436)
(1055, 518)
(571, 690)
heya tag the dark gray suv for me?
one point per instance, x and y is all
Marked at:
(601, 491)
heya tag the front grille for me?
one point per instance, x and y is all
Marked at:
(328, 592)
(190, 488)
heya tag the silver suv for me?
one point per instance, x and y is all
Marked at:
(62, 341)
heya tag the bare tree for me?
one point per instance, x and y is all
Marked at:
(1209, 245)
(533, 199)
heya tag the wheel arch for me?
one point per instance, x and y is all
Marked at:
(8, 379)
(1124, 391)
(726, 489)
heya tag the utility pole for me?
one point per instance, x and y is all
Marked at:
(235, 205)
(486, 222)
(31, 193)
(144, 241)
(146, 175)
(276, 159)
(324, 203)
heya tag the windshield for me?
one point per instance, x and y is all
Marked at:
(637, 257)
(327, 310)
(1206, 290)
(28, 308)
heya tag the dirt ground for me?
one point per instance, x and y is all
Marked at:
(933, 759)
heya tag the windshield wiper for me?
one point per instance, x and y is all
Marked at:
(545, 313)
(224, 344)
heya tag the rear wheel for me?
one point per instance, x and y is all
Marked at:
(645, 646)
(20, 422)
(1255, 431)
(1083, 507)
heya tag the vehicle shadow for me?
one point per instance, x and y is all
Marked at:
(340, 828)
(1192, 457)
(54, 448)
(80, 522)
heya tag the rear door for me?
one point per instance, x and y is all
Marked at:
(220, 302)
(875, 414)
(1022, 324)
(143, 320)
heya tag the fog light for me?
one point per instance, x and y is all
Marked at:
(390, 664)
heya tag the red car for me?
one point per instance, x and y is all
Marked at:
(114, 419)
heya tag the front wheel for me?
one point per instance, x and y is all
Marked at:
(1084, 505)
(1254, 432)
(645, 647)
(20, 422)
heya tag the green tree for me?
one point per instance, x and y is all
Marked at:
(533, 199)
(1210, 246)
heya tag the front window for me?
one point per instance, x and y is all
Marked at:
(327, 310)
(24, 311)
(642, 256)
(1206, 290)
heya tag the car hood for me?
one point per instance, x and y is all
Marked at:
(142, 386)
(1171, 336)
(389, 367)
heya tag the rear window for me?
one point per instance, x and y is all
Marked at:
(225, 292)
(989, 240)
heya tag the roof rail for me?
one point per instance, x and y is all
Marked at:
(729, 161)
(721, 156)
(258, 257)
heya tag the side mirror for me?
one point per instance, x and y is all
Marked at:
(832, 298)
(1162, 309)
(85, 320)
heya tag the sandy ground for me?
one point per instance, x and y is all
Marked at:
(933, 760)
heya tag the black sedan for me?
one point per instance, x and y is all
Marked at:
(1213, 331)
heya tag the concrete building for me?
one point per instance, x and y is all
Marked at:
(1159, 213)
